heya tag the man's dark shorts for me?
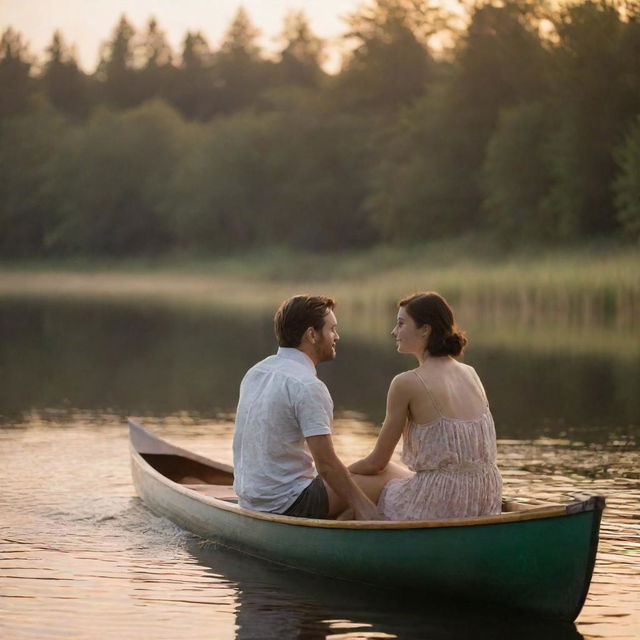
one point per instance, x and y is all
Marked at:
(313, 502)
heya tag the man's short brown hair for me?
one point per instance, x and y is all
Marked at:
(297, 314)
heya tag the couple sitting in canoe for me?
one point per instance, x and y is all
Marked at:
(284, 458)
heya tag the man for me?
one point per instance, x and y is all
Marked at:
(284, 405)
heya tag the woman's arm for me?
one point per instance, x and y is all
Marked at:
(397, 410)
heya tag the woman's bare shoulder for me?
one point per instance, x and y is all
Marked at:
(405, 380)
(471, 374)
(403, 387)
(467, 368)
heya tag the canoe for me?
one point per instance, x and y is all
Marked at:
(537, 558)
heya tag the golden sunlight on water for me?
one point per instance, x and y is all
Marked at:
(81, 557)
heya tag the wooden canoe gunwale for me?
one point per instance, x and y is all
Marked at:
(586, 502)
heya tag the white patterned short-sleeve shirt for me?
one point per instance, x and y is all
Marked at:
(282, 402)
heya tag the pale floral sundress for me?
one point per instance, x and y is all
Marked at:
(455, 469)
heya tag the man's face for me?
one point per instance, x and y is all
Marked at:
(326, 338)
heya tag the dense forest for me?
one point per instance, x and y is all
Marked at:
(521, 121)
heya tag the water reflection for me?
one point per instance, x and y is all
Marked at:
(153, 361)
(78, 552)
(276, 602)
(72, 535)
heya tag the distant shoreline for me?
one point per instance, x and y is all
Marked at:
(581, 302)
(579, 283)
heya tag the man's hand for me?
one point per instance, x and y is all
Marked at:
(368, 511)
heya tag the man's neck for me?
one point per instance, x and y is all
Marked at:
(309, 352)
(298, 354)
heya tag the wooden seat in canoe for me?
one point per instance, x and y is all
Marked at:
(220, 491)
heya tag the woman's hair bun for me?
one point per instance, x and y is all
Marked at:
(455, 343)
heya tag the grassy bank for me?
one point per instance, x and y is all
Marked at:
(584, 300)
(580, 285)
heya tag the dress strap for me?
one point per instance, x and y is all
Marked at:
(433, 400)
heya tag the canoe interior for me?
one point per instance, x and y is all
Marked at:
(217, 482)
(186, 471)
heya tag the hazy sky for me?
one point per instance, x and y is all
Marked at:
(87, 23)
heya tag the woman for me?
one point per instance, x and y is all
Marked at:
(441, 410)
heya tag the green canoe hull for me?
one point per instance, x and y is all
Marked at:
(543, 565)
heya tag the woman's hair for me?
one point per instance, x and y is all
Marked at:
(445, 339)
(297, 314)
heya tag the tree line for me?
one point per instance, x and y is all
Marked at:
(523, 122)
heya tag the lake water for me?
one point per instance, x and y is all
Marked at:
(81, 557)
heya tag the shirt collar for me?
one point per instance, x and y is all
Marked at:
(299, 356)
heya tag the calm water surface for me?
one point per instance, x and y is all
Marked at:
(81, 557)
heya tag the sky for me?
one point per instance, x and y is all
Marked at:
(88, 23)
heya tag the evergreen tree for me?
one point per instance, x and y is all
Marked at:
(64, 84)
(389, 65)
(156, 74)
(301, 56)
(15, 66)
(196, 54)
(116, 70)
(240, 42)
(194, 92)
(240, 73)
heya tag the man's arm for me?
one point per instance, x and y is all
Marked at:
(342, 490)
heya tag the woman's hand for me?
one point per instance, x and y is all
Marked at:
(364, 467)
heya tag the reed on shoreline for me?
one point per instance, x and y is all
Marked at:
(580, 302)
(579, 287)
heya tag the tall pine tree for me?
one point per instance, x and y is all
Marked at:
(15, 67)
(116, 70)
(64, 83)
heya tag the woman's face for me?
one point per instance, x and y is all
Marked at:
(409, 337)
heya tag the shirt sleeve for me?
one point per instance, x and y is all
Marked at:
(314, 409)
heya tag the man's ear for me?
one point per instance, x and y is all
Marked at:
(310, 335)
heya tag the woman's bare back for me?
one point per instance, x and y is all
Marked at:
(444, 387)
